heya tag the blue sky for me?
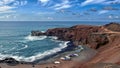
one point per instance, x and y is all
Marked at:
(59, 10)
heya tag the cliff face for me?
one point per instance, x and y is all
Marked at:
(92, 36)
(79, 34)
(105, 39)
(109, 53)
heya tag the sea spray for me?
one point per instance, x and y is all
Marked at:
(37, 56)
(34, 38)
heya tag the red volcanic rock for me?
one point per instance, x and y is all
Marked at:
(105, 39)
(109, 53)
(59, 32)
(113, 26)
(97, 40)
(80, 35)
(92, 36)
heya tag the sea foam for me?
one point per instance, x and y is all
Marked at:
(34, 38)
(25, 46)
(62, 45)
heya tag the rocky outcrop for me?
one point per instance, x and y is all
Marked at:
(96, 41)
(113, 26)
(37, 33)
(110, 53)
(9, 61)
(79, 34)
(105, 39)
(92, 36)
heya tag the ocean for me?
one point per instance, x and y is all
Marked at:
(16, 41)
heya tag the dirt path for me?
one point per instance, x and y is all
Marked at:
(109, 31)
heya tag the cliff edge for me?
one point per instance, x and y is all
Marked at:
(104, 39)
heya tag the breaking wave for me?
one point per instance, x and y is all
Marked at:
(25, 46)
(34, 38)
(36, 56)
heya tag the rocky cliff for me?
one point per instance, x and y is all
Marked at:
(104, 39)
(80, 35)
(113, 26)
(109, 53)
(92, 36)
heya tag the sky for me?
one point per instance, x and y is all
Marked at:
(59, 10)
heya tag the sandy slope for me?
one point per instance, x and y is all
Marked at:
(109, 53)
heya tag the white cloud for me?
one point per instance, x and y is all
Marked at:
(87, 2)
(63, 7)
(9, 11)
(43, 1)
(20, 3)
(112, 2)
(103, 11)
(6, 8)
(4, 2)
(15, 2)
(42, 13)
(8, 16)
(65, 4)
(110, 16)
(50, 18)
(23, 3)
(5, 16)
(116, 17)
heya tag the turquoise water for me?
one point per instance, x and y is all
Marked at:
(16, 42)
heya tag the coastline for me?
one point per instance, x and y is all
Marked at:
(91, 50)
(84, 56)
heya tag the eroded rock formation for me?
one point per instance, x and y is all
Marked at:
(92, 36)
(105, 39)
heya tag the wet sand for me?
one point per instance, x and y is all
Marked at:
(67, 64)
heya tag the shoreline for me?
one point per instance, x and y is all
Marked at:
(98, 43)
(50, 62)
(69, 48)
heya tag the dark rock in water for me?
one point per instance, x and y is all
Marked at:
(9, 61)
(1, 61)
(37, 33)
(70, 44)
(70, 47)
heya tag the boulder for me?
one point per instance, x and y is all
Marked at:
(37, 33)
(9, 61)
